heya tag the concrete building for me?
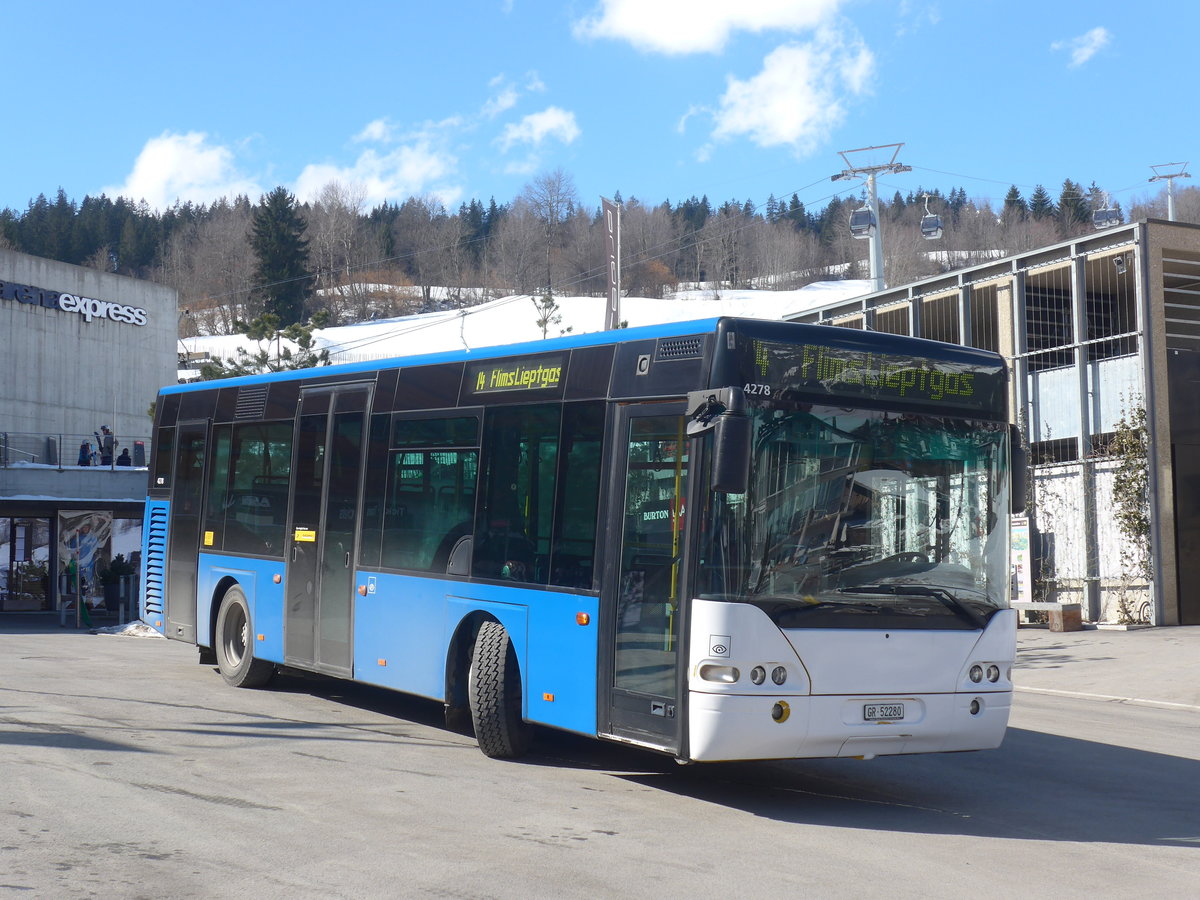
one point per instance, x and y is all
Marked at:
(1097, 330)
(83, 351)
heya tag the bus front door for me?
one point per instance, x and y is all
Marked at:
(642, 588)
(326, 488)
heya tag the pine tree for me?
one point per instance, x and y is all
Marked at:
(1040, 204)
(277, 237)
(797, 214)
(772, 209)
(1015, 207)
(1073, 209)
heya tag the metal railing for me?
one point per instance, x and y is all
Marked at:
(66, 451)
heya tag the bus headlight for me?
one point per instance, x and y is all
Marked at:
(719, 674)
(976, 673)
(779, 674)
(758, 674)
(993, 673)
(780, 711)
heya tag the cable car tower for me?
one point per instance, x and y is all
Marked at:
(1161, 174)
(864, 222)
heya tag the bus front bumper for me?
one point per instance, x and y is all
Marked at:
(729, 726)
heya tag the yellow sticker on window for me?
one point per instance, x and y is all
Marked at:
(208, 539)
(305, 534)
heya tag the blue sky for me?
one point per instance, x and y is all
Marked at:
(658, 99)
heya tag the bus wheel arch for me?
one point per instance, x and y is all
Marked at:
(458, 668)
(233, 641)
(208, 655)
(494, 693)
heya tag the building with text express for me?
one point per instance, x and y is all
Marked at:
(84, 353)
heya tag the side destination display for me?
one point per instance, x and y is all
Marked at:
(778, 368)
(506, 375)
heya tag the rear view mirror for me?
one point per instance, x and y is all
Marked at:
(1018, 471)
(731, 454)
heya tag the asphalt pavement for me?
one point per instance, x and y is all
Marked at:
(1157, 667)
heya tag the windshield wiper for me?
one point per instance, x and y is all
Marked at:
(942, 595)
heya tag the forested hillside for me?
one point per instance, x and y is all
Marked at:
(235, 259)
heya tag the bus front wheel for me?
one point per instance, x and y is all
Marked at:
(494, 689)
(235, 644)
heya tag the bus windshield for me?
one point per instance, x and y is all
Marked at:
(864, 518)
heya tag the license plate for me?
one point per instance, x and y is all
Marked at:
(883, 712)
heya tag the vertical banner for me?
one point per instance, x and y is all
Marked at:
(83, 551)
(1021, 560)
(612, 238)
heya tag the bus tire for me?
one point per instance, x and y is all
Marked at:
(235, 645)
(494, 688)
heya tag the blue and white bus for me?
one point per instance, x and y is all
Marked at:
(724, 539)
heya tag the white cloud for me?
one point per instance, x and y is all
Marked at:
(184, 167)
(535, 128)
(415, 168)
(798, 97)
(379, 131)
(1085, 46)
(699, 26)
(506, 94)
(500, 102)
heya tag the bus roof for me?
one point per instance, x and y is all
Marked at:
(566, 342)
(765, 328)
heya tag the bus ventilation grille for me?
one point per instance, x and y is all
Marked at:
(680, 348)
(156, 559)
(251, 402)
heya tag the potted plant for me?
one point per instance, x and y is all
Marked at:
(110, 579)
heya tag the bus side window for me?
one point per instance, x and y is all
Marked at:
(515, 518)
(248, 488)
(429, 491)
(573, 549)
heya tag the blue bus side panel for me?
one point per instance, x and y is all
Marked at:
(257, 580)
(404, 624)
(398, 634)
(154, 564)
(561, 683)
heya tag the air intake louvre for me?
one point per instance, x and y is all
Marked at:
(251, 402)
(156, 560)
(679, 348)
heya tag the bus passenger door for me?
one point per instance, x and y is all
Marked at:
(187, 496)
(642, 594)
(326, 489)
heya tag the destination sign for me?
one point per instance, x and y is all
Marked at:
(778, 367)
(495, 376)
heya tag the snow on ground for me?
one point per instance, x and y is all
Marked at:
(514, 319)
(130, 629)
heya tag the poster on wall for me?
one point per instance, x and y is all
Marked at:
(1021, 560)
(84, 538)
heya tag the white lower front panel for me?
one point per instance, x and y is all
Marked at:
(729, 726)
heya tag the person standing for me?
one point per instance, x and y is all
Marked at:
(85, 454)
(106, 444)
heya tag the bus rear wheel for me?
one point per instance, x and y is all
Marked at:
(494, 689)
(235, 644)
